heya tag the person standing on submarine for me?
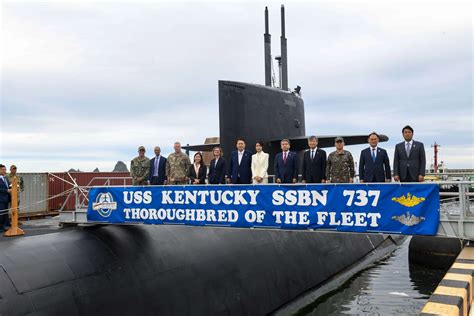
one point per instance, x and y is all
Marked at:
(340, 164)
(286, 164)
(240, 170)
(259, 165)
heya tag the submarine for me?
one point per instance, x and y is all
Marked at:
(266, 113)
(190, 270)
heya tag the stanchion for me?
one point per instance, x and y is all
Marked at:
(14, 229)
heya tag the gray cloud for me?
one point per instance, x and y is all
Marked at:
(94, 80)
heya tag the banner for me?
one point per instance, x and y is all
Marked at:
(410, 209)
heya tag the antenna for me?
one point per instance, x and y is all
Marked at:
(284, 59)
(435, 163)
(278, 59)
(273, 76)
(268, 57)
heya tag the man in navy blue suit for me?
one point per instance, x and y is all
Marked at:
(286, 164)
(157, 175)
(374, 165)
(240, 165)
(4, 197)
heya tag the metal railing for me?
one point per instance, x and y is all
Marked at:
(456, 211)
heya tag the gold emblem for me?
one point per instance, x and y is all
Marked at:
(409, 200)
(408, 219)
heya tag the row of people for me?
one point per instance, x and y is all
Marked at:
(245, 167)
(6, 181)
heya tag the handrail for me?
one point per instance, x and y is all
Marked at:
(455, 223)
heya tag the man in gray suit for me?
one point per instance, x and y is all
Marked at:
(409, 163)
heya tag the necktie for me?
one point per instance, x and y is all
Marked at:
(157, 160)
(408, 149)
(5, 181)
(215, 165)
(373, 154)
(312, 154)
(284, 157)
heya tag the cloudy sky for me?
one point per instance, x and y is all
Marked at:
(84, 83)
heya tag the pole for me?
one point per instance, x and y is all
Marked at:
(268, 54)
(435, 162)
(14, 229)
(284, 57)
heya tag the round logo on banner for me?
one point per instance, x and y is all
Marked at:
(104, 204)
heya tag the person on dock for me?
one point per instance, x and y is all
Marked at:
(409, 162)
(5, 197)
(286, 164)
(177, 166)
(140, 168)
(313, 169)
(374, 165)
(197, 171)
(340, 164)
(217, 167)
(259, 164)
(240, 165)
(157, 174)
(19, 179)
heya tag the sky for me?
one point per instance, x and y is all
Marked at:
(84, 83)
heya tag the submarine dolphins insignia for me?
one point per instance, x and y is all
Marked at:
(408, 219)
(409, 200)
(104, 204)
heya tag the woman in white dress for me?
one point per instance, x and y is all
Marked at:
(259, 165)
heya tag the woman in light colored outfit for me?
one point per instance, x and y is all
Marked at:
(259, 165)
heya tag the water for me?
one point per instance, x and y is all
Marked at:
(391, 287)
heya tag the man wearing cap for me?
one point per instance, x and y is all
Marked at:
(19, 179)
(177, 166)
(409, 161)
(140, 168)
(4, 197)
(340, 164)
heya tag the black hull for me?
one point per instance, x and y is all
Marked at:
(258, 113)
(170, 270)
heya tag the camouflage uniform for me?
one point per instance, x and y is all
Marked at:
(340, 167)
(20, 183)
(139, 170)
(177, 166)
(19, 180)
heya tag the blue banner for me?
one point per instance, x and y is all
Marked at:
(410, 209)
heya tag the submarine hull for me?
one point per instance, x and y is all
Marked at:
(258, 113)
(171, 270)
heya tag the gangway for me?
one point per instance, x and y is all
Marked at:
(456, 211)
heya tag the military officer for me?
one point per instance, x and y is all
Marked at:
(340, 164)
(19, 179)
(177, 166)
(139, 168)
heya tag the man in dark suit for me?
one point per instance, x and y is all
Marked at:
(374, 165)
(4, 197)
(157, 175)
(314, 163)
(240, 165)
(217, 167)
(286, 164)
(409, 161)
